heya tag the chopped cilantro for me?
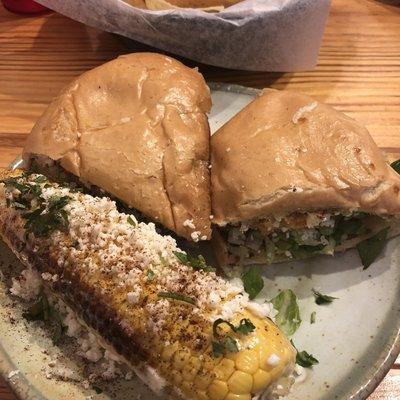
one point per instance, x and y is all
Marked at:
(150, 275)
(197, 263)
(131, 221)
(226, 345)
(288, 317)
(253, 281)
(176, 296)
(41, 310)
(97, 389)
(321, 299)
(304, 359)
(244, 328)
(42, 217)
(312, 317)
(370, 249)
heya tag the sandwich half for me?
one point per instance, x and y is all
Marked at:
(186, 332)
(137, 128)
(292, 178)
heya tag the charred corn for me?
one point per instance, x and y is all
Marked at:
(169, 316)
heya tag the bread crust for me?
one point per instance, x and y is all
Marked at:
(286, 152)
(137, 128)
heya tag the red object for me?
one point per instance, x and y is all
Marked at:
(24, 6)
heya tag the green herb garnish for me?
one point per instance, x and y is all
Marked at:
(176, 296)
(45, 220)
(97, 389)
(371, 248)
(396, 166)
(131, 221)
(150, 275)
(41, 310)
(244, 328)
(226, 345)
(312, 317)
(197, 263)
(42, 217)
(321, 299)
(288, 317)
(304, 359)
(253, 281)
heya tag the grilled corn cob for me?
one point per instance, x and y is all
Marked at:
(182, 328)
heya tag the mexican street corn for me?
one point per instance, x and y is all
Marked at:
(185, 331)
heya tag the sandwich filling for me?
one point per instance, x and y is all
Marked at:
(297, 236)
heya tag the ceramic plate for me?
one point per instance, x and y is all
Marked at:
(356, 339)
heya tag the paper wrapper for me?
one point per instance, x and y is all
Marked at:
(257, 35)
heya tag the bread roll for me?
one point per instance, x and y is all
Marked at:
(137, 128)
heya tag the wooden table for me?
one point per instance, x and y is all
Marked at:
(358, 72)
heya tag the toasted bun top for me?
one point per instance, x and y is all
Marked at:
(137, 128)
(286, 152)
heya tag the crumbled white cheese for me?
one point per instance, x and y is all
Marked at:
(13, 373)
(263, 310)
(273, 360)
(134, 295)
(72, 324)
(27, 285)
(302, 110)
(195, 236)
(189, 224)
(214, 300)
(46, 276)
(300, 374)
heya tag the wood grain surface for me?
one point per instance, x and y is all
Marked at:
(358, 72)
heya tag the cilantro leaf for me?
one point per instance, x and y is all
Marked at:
(176, 296)
(245, 327)
(288, 317)
(321, 299)
(312, 317)
(197, 263)
(305, 359)
(226, 345)
(150, 275)
(253, 281)
(370, 248)
(131, 221)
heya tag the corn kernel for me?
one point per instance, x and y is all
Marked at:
(261, 380)
(169, 351)
(201, 396)
(187, 389)
(202, 382)
(176, 377)
(232, 396)
(218, 390)
(224, 369)
(247, 361)
(240, 383)
(181, 358)
(191, 369)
